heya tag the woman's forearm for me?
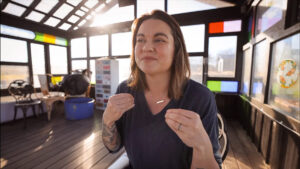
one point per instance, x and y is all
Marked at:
(111, 137)
(203, 158)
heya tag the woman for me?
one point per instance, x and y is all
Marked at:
(164, 119)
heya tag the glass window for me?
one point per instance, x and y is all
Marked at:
(13, 50)
(114, 15)
(58, 59)
(26, 2)
(65, 26)
(73, 19)
(10, 73)
(46, 5)
(225, 27)
(52, 21)
(99, 45)
(121, 43)
(38, 62)
(90, 3)
(74, 2)
(63, 11)
(284, 94)
(194, 37)
(222, 56)
(78, 48)
(93, 70)
(80, 13)
(247, 59)
(124, 69)
(79, 64)
(260, 69)
(269, 12)
(183, 6)
(196, 64)
(17, 32)
(146, 6)
(222, 86)
(14, 9)
(35, 16)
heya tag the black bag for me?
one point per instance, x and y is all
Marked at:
(75, 84)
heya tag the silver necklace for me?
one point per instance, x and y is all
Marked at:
(160, 101)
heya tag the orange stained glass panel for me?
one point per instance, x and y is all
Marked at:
(49, 38)
(216, 27)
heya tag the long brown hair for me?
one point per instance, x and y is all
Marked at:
(180, 69)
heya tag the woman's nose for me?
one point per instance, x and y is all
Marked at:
(148, 47)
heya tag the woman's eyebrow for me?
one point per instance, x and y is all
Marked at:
(161, 34)
(140, 34)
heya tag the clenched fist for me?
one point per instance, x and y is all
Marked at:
(116, 106)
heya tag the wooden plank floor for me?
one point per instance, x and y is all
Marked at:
(77, 144)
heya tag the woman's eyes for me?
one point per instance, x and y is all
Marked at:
(155, 40)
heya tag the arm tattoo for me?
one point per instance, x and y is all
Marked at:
(111, 137)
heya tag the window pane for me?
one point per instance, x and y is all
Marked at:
(284, 92)
(183, 6)
(222, 56)
(247, 59)
(13, 50)
(196, 64)
(10, 73)
(79, 64)
(52, 21)
(58, 60)
(114, 15)
(124, 69)
(224, 27)
(146, 6)
(63, 11)
(260, 69)
(46, 5)
(93, 70)
(35, 16)
(17, 32)
(121, 43)
(38, 62)
(14, 9)
(99, 45)
(269, 12)
(194, 37)
(78, 48)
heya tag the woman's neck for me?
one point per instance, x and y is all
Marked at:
(158, 84)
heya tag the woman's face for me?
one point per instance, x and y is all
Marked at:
(154, 49)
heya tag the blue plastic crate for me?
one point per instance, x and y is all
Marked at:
(79, 108)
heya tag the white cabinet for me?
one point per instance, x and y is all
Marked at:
(107, 80)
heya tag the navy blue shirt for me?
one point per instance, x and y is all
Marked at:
(150, 142)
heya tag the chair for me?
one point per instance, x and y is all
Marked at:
(21, 91)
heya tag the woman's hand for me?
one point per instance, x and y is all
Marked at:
(189, 128)
(116, 106)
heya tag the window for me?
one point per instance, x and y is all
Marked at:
(38, 62)
(196, 64)
(121, 44)
(284, 91)
(99, 45)
(146, 6)
(78, 48)
(10, 73)
(184, 6)
(269, 12)
(114, 15)
(194, 37)
(58, 59)
(247, 59)
(79, 64)
(13, 50)
(222, 56)
(124, 69)
(260, 69)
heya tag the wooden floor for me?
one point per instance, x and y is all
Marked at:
(77, 144)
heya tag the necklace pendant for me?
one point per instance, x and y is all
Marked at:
(160, 101)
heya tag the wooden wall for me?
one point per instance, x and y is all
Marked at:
(276, 137)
